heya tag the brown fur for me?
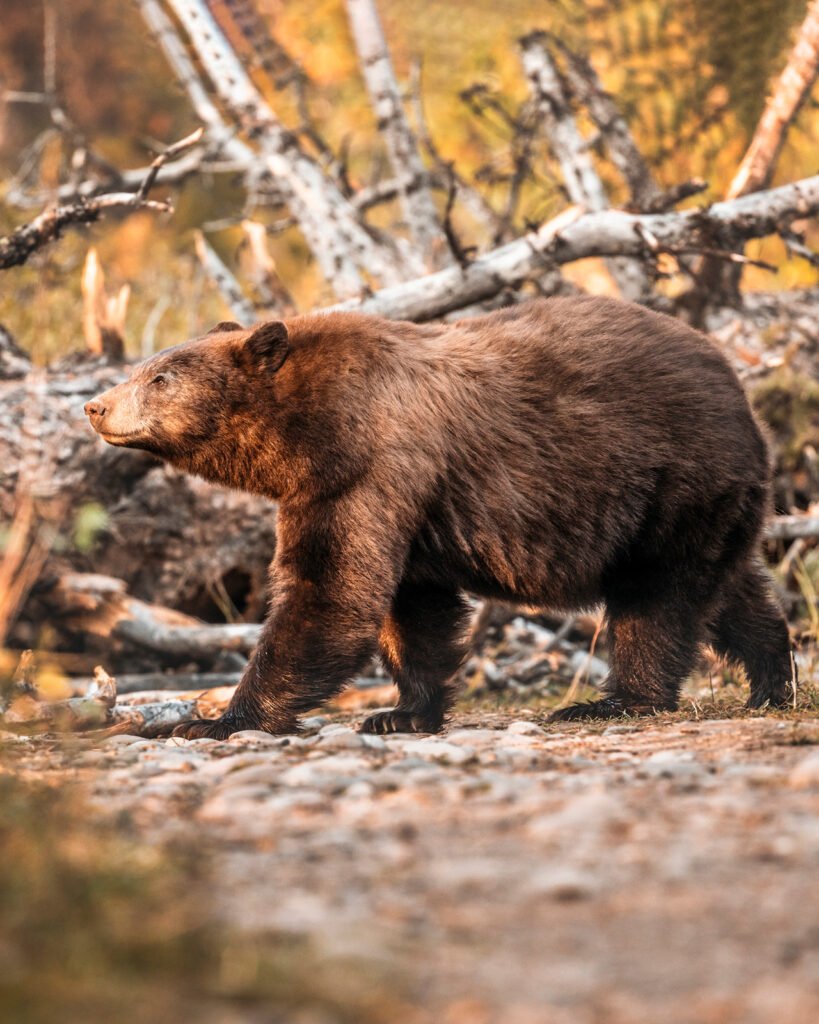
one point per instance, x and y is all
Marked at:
(560, 453)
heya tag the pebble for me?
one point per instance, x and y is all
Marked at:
(440, 751)
(474, 737)
(234, 804)
(258, 736)
(522, 728)
(671, 764)
(562, 883)
(324, 773)
(513, 757)
(313, 723)
(348, 739)
(805, 774)
(267, 773)
(121, 740)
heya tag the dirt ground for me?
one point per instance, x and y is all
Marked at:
(506, 871)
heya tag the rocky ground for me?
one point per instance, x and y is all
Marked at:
(506, 871)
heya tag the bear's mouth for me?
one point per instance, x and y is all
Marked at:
(120, 440)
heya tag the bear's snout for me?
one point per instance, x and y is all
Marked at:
(94, 409)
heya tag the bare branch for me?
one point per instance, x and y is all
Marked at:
(200, 160)
(470, 198)
(583, 185)
(227, 284)
(715, 282)
(462, 255)
(271, 291)
(793, 527)
(16, 248)
(573, 236)
(162, 159)
(613, 128)
(376, 66)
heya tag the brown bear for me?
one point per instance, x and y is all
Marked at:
(559, 454)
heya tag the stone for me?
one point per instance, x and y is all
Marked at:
(562, 883)
(474, 737)
(313, 723)
(121, 740)
(440, 750)
(348, 739)
(523, 728)
(671, 764)
(258, 736)
(805, 774)
(232, 804)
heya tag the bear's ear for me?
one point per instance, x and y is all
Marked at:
(224, 326)
(267, 346)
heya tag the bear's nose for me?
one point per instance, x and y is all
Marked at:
(94, 409)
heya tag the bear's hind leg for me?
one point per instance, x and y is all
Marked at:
(654, 647)
(750, 630)
(422, 643)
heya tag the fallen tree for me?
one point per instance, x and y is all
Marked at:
(574, 235)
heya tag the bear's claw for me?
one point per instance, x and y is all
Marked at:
(608, 707)
(214, 729)
(399, 721)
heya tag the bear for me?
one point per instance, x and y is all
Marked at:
(558, 453)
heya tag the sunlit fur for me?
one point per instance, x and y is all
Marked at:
(559, 453)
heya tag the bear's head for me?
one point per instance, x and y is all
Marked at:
(191, 403)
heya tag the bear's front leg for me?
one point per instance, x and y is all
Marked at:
(331, 591)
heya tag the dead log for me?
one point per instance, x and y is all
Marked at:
(573, 235)
(160, 682)
(793, 527)
(98, 712)
(93, 605)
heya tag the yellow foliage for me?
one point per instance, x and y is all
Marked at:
(678, 79)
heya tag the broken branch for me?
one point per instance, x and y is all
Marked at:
(573, 235)
(16, 248)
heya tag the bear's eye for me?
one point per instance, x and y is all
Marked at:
(160, 379)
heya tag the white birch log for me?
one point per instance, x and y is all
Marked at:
(583, 184)
(343, 248)
(220, 135)
(417, 204)
(573, 235)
